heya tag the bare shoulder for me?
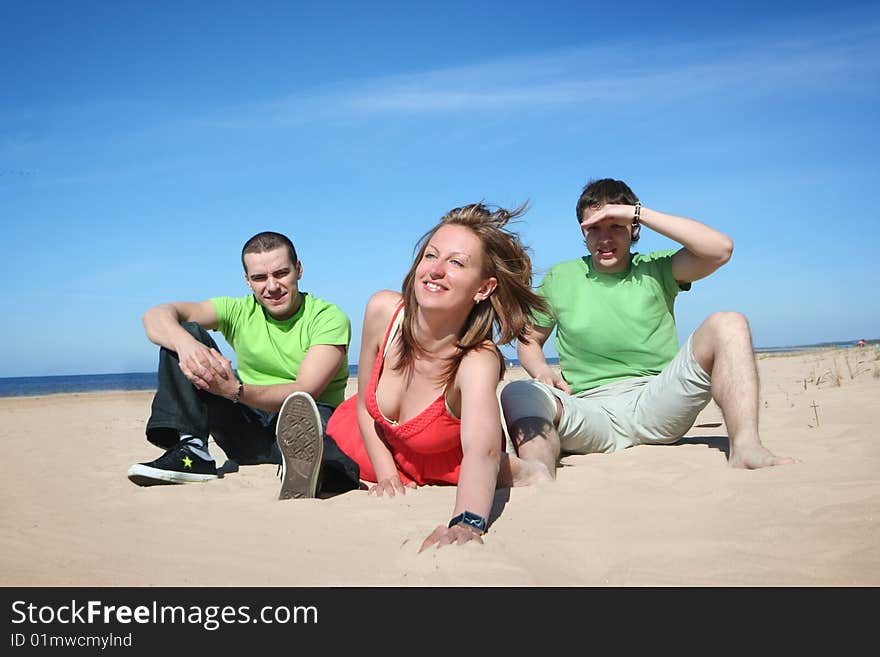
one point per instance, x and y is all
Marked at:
(381, 306)
(482, 365)
(380, 309)
(384, 303)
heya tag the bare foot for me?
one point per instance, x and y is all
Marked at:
(752, 457)
(520, 472)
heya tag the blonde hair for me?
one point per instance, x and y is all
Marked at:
(506, 314)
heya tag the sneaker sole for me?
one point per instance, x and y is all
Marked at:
(144, 475)
(301, 442)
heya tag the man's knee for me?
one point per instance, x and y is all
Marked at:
(721, 332)
(728, 322)
(529, 412)
(718, 328)
(526, 399)
(199, 333)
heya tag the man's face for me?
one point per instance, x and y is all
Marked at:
(608, 242)
(273, 278)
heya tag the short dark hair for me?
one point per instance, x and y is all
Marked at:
(268, 241)
(603, 191)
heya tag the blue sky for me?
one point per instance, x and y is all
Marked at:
(142, 143)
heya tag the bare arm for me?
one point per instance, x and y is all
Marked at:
(481, 434)
(162, 325)
(162, 322)
(704, 249)
(531, 357)
(380, 310)
(209, 370)
(317, 369)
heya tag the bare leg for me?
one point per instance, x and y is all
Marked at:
(723, 347)
(537, 444)
(515, 471)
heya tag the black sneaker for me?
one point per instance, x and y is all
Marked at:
(179, 465)
(301, 441)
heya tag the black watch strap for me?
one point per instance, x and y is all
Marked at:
(471, 519)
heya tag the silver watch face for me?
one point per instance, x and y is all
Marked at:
(474, 521)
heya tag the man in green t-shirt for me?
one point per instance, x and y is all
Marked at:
(624, 381)
(292, 370)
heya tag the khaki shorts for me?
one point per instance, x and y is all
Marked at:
(649, 410)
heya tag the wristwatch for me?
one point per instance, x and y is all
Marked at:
(471, 519)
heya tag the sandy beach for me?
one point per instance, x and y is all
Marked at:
(647, 516)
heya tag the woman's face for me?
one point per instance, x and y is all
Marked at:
(450, 272)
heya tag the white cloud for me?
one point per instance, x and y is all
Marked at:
(811, 59)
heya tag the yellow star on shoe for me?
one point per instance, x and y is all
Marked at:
(187, 462)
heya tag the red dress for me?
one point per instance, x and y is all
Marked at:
(425, 448)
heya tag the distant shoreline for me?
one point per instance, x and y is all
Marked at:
(35, 386)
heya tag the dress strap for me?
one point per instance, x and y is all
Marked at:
(392, 329)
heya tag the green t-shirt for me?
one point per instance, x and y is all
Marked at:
(611, 327)
(269, 351)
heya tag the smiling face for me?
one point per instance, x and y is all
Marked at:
(450, 272)
(608, 242)
(273, 278)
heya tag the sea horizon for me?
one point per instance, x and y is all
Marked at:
(31, 386)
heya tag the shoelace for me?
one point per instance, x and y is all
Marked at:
(192, 446)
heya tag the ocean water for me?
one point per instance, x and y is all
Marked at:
(29, 386)
(812, 347)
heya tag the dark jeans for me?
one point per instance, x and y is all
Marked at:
(245, 434)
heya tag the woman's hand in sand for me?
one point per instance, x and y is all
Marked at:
(390, 485)
(451, 536)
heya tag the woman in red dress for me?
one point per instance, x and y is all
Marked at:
(427, 410)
